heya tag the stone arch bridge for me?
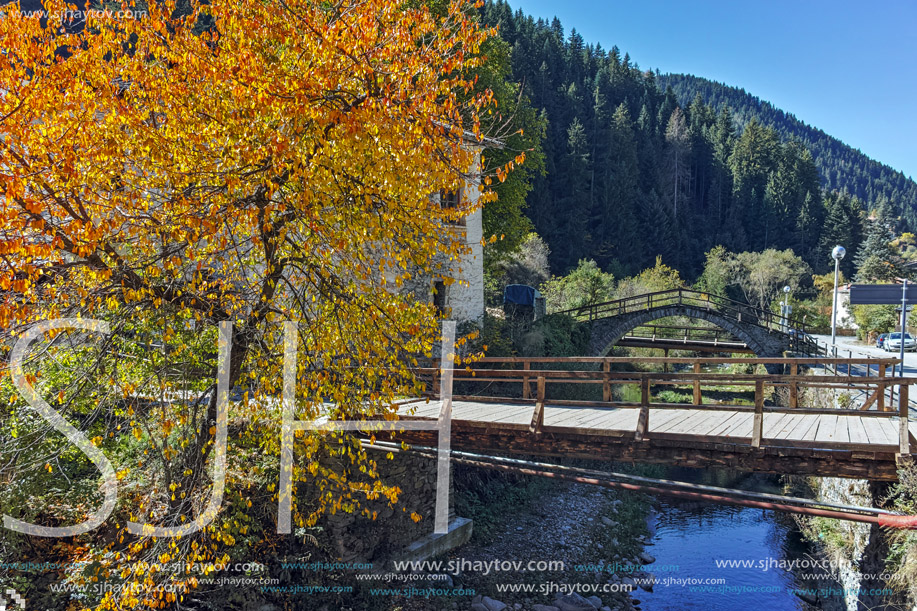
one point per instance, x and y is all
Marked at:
(766, 334)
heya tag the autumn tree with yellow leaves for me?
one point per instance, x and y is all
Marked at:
(243, 162)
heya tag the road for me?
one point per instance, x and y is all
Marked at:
(859, 349)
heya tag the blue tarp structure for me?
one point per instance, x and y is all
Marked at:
(520, 294)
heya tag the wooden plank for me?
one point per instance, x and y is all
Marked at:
(702, 427)
(662, 417)
(594, 424)
(613, 415)
(787, 426)
(537, 418)
(684, 415)
(826, 426)
(421, 410)
(695, 423)
(697, 394)
(742, 427)
(758, 425)
(727, 424)
(478, 412)
(794, 388)
(882, 388)
(805, 429)
(583, 423)
(617, 420)
(876, 431)
(857, 430)
(841, 434)
(573, 417)
(870, 399)
(520, 413)
(484, 413)
(643, 421)
(773, 423)
(606, 385)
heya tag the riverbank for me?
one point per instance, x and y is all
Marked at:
(656, 554)
(566, 547)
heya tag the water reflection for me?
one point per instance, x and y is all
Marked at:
(691, 538)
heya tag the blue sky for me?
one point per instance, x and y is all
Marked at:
(845, 67)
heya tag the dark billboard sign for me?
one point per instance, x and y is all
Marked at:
(887, 294)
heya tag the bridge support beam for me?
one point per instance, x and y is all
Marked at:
(853, 464)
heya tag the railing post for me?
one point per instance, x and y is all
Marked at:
(538, 415)
(526, 391)
(758, 425)
(643, 420)
(794, 386)
(881, 406)
(606, 382)
(697, 395)
(904, 433)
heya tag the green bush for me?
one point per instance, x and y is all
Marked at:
(672, 396)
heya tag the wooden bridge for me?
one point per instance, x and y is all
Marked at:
(683, 338)
(794, 422)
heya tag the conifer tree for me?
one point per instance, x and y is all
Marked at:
(877, 260)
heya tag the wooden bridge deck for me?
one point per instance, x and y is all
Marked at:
(778, 434)
(805, 443)
(823, 431)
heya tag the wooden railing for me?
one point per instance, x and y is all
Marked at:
(538, 370)
(686, 334)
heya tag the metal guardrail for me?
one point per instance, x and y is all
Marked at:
(881, 365)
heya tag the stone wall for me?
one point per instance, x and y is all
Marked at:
(466, 296)
(857, 552)
(356, 538)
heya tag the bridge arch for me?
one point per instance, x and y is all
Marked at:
(606, 332)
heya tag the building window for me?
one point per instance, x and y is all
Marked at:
(439, 297)
(451, 200)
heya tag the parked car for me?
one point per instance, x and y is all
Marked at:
(800, 335)
(880, 341)
(893, 342)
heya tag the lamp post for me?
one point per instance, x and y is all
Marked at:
(838, 254)
(786, 308)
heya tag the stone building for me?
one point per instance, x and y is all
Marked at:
(463, 300)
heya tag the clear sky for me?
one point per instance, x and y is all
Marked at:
(848, 67)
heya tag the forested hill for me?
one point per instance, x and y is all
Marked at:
(841, 167)
(632, 171)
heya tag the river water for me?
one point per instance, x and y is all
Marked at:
(689, 539)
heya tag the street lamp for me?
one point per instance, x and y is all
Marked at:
(786, 307)
(838, 254)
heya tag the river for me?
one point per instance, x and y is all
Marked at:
(689, 539)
